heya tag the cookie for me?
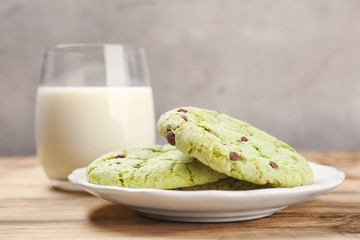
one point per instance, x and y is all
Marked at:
(230, 184)
(162, 167)
(234, 147)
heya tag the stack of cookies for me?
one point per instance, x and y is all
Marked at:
(206, 151)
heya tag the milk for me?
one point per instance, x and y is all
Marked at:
(75, 125)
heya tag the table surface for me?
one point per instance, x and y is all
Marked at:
(31, 209)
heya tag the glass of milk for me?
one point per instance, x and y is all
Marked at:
(92, 99)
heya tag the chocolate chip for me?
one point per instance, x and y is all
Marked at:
(182, 110)
(184, 117)
(268, 184)
(118, 162)
(137, 166)
(273, 164)
(244, 139)
(168, 129)
(170, 137)
(120, 156)
(234, 156)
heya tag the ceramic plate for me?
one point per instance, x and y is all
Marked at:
(211, 205)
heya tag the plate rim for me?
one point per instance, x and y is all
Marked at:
(315, 187)
(240, 205)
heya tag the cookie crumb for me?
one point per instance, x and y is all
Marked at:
(234, 156)
(182, 110)
(273, 164)
(120, 156)
(184, 117)
(170, 137)
(244, 139)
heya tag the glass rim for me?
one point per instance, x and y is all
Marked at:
(111, 60)
(76, 47)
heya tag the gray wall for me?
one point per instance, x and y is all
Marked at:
(291, 68)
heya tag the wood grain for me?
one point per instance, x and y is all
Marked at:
(31, 209)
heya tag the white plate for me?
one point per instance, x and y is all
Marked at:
(211, 205)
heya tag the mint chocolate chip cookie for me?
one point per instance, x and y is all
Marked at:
(234, 147)
(231, 184)
(162, 167)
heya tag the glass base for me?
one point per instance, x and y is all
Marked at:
(66, 186)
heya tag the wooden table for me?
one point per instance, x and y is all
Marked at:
(31, 209)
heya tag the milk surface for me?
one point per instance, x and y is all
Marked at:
(75, 125)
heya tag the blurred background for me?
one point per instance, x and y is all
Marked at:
(291, 68)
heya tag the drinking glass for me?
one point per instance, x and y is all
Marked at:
(91, 99)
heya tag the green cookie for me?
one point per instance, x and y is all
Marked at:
(231, 184)
(235, 148)
(157, 166)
